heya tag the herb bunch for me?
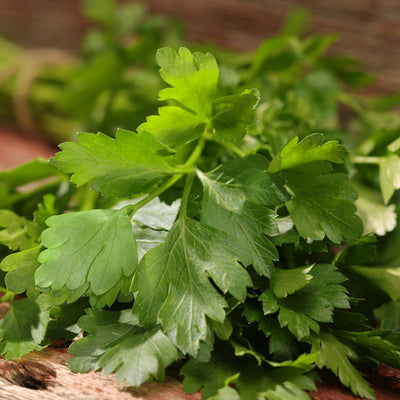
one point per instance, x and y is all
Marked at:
(223, 237)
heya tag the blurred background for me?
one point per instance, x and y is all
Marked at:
(89, 65)
(370, 29)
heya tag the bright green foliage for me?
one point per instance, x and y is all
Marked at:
(193, 78)
(288, 281)
(95, 247)
(313, 303)
(238, 198)
(232, 115)
(323, 205)
(20, 268)
(118, 344)
(238, 214)
(23, 328)
(172, 281)
(336, 356)
(382, 345)
(18, 233)
(389, 176)
(311, 149)
(123, 166)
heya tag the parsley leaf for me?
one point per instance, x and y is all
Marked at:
(20, 268)
(193, 79)
(335, 355)
(95, 247)
(172, 281)
(233, 114)
(126, 165)
(117, 344)
(389, 175)
(18, 233)
(313, 303)
(386, 278)
(23, 328)
(323, 205)
(312, 148)
(237, 200)
(251, 380)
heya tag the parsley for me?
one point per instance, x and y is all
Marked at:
(223, 233)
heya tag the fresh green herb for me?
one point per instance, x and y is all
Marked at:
(224, 236)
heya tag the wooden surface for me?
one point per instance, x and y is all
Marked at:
(370, 28)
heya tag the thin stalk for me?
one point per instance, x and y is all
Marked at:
(8, 295)
(186, 168)
(234, 149)
(186, 194)
(365, 160)
(170, 182)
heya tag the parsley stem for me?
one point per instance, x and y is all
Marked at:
(234, 149)
(170, 182)
(8, 295)
(186, 194)
(196, 153)
(365, 160)
(161, 189)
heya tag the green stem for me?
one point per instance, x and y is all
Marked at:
(8, 295)
(234, 149)
(365, 160)
(161, 189)
(186, 168)
(196, 153)
(186, 194)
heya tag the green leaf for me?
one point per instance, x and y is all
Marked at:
(383, 345)
(288, 281)
(116, 343)
(335, 355)
(301, 311)
(31, 171)
(250, 380)
(95, 247)
(64, 320)
(18, 233)
(20, 268)
(377, 217)
(390, 315)
(23, 328)
(193, 79)
(312, 148)
(232, 115)
(323, 205)
(157, 214)
(389, 176)
(173, 126)
(121, 167)
(147, 238)
(238, 198)
(151, 223)
(173, 286)
(387, 279)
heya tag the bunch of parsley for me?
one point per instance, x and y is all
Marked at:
(223, 237)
